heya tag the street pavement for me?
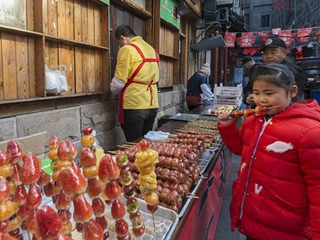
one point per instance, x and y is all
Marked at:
(223, 231)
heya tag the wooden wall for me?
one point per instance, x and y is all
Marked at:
(73, 33)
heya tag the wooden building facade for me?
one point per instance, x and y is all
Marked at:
(78, 35)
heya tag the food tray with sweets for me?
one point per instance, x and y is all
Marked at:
(166, 221)
(218, 108)
(185, 117)
(205, 159)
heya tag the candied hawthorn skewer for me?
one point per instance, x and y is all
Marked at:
(259, 110)
(146, 158)
(109, 173)
(88, 160)
(126, 180)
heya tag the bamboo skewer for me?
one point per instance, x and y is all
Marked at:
(113, 152)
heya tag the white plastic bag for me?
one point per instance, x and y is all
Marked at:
(56, 80)
(61, 74)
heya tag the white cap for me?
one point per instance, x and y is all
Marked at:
(205, 69)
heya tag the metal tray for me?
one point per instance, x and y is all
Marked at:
(188, 200)
(166, 221)
(207, 112)
(184, 117)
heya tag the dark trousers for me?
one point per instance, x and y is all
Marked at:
(138, 122)
(249, 238)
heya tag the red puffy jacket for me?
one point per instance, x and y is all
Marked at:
(277, 192)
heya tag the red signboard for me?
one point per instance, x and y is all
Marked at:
(230, 38)
(281, 5)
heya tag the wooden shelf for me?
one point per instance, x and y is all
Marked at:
(73, 42)
(20, 31)
(168, 57)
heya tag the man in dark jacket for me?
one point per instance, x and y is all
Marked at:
(274, 50)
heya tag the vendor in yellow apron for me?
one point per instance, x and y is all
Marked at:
(148, 86)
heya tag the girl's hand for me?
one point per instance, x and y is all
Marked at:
(225, 118)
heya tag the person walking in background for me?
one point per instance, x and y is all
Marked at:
(274, 50)
(135, 78)
(197, 87)
(277, 192)
(251, 65)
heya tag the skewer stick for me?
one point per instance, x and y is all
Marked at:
(192, 196)
(154, 225)
(113, 152)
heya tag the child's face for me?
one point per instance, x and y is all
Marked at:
(269, 95)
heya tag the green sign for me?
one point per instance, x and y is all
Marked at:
(169, 12)
(105, 1)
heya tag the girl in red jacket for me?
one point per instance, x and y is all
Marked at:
(277, 193)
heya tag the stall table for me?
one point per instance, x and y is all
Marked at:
(200, 218)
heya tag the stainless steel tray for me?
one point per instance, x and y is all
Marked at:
(166, 222)
(185, 117)
(187, 202)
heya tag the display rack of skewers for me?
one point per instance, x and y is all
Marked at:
(85, 199)
(182, 160)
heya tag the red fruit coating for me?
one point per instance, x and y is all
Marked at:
(117, 210)
(65, 215)
(94, 189)
(82, 209)
(143, 144)
(63, 202)
(122, 227)
(98, 206)
(248, 112)
(79, 226)
(92, 231)
(112, 190)
(20, 194)
(30, 169)
(24, 212)
(71, 182)
(138, 232)
(88, 157)
(87, 130)
(4, 158)
(15, 176)
(49, 223)
(102, 221)
(53, 142)
(44, 178)
(67, 151)
(108, 169)
(4, 226)
(4, 189)
(34, 197)
(48, 189)
(14, 151)
(122, 159)
(6, 236)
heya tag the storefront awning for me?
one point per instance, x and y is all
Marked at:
(209, 43)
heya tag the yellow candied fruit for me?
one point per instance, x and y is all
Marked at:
(87, 140)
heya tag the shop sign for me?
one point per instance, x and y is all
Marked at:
(105, 1)
(169, 12)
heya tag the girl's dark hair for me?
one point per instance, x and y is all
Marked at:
(276, 74)
(124, 30)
